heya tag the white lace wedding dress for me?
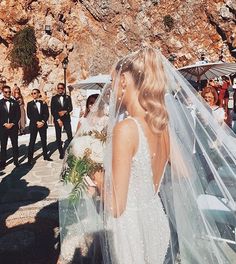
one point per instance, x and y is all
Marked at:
(141, 234)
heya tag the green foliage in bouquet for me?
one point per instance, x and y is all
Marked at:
(75, 173)
(78, 167)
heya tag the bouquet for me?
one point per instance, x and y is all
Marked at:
(85, 157)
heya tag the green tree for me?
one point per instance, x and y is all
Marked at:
(23, 54)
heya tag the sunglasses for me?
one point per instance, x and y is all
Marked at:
(60, 88)
(7, 92)
(34, 93)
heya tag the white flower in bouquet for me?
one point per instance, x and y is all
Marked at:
(96, 147)
(85, 157)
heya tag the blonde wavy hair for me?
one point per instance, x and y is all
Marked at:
(149, 77)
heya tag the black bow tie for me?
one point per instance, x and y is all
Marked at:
(36, 101)
(6, 100)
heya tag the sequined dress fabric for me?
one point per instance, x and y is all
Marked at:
(141, 234)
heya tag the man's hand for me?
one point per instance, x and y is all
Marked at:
(8, 125)
(62, 113)
(60, 123)
(39, 124)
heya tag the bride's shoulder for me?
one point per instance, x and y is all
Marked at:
(126, 127)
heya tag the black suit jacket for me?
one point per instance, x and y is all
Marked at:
(13, 116)
(57, 107)
(34, 115)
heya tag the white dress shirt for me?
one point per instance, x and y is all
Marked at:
(8, 106)
(38, 106)
(62, 100)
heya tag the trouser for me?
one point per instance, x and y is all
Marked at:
(33, 135)
(67, 127)
(13, 135)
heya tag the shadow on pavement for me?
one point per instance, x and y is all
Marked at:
(27, 235)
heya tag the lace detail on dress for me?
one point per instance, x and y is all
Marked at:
(141, 233)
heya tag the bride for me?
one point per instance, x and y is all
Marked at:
(140, 153)
(154, 193)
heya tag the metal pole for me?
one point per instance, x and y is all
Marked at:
(65, 79)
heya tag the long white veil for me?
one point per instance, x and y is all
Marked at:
(202, 176)
(198, 190)
(79, 205)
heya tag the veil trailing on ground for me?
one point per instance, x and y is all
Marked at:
(202, 176)
(79, 204)
(198, 190)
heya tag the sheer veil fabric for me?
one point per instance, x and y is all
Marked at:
(192, 213)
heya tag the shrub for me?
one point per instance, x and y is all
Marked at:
(23, 54)
(168, 21)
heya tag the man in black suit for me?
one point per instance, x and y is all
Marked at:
(61, 107)
(37, 112)
(9, 118)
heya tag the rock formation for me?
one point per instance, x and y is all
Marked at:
(94, 33)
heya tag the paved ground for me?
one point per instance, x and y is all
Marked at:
(29, 231)
(29, 226)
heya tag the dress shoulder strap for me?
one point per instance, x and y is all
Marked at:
(139, 126)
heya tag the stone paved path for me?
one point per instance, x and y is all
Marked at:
(29, 226)
(29, 232)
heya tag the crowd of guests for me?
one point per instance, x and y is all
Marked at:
(13, 121)
(217, 95)
(13, 112)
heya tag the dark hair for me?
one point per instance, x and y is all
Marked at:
(90, 101)
(225, 78)
(62, 84)
(6, 87)
(37, 90)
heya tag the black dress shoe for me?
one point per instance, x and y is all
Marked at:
(2, 167)
(61, 156)
(16, 164)
(47, 158)
(30, 162)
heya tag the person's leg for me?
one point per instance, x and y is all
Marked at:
(14, 141)
(43, 136)
(58, 139)
(33, 136)
(67, 126)
(4, 137)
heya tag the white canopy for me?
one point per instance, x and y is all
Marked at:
(93, 82)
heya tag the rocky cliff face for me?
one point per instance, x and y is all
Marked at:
(94, 33)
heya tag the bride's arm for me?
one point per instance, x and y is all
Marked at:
(123, 148)
(124, 140)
